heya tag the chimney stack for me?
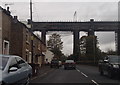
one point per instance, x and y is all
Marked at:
(8, 10)
(15, 19)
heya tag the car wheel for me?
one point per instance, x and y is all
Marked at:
(110, 75)
(3, 83)
(101, 72)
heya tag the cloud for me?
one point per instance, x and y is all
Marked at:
(108, 46)
(105, 37)
(68, 49)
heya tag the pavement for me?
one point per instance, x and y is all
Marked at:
(42, 71)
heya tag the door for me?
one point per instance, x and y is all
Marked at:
(13, 76)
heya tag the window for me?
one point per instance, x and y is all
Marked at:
(4, 62)
(21, 62)
(27, 55)
(30, 56)
(27, 37)
(5, 47)
(14, 63)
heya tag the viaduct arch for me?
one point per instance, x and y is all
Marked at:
(75, 27)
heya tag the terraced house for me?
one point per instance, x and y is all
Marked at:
(5, 25)
(16, 37)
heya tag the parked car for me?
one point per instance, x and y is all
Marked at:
(110, 66)
(69, 64)
(54, 63)
(14, 70)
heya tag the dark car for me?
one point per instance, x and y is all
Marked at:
(110, 66)
(54, 63)
(69, 64)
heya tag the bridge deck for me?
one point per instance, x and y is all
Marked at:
(71, 26)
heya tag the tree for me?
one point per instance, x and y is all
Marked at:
(89, 48)
(55, 44)
(111, 52)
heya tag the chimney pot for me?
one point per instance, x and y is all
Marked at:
(15, 17)
(7, 8)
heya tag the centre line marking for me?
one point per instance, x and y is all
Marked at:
(95, 82)
(84, 74)
(78, 70)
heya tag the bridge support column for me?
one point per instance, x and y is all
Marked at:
(76, 46)
(43, 36)
(91, 33)
(91, 29)
(118, 42)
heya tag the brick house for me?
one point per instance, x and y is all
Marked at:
(0, 31)
(15, 39)
(37, 50)
(21, 42)
(5, 25)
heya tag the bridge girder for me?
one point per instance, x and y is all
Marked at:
(71, 26)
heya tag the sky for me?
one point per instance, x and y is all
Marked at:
(63, 10)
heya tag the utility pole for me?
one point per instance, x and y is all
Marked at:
(31, 25)
(31, 12)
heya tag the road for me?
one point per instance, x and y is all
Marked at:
(82, 74)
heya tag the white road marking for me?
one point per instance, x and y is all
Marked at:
(87, 76)
(78, 70)
(95, 82)
(84, 74)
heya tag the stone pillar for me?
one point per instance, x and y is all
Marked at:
(91, 33)
(43, 36)
(91, 29)
(76, 46)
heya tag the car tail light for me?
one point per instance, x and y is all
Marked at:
(74, 63)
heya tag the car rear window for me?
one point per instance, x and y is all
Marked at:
(69, 61)
(115, 59)
(4, 62)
